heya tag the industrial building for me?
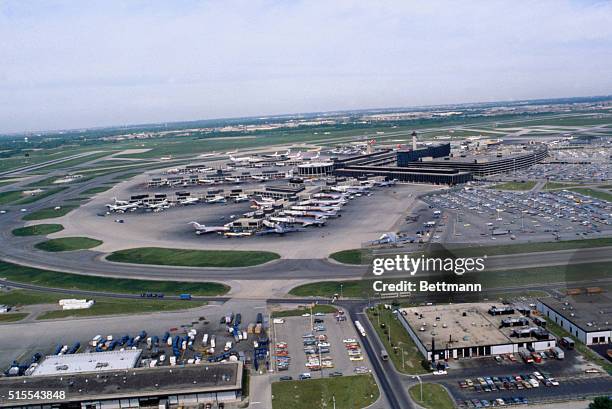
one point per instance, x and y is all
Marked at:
(470, 330)
(407, 157)
(162, 387)
(585, 316)
(87, 362)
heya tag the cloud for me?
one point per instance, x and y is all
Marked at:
(68, 65)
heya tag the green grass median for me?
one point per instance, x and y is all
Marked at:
(50, 213)
(348, 392)
(13, 316)
(116, 306)
(319, 308)
(192, 258)
(401, 349)
(68, 244)
(515, 186)
(490, 280)
(355, 256)
(596, 194)
(55, 279)
(37, 230)
(434, 396)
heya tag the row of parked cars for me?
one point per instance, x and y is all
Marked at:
(518, 382)
(486, 403)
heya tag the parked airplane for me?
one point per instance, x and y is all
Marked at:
(278, 229)
(241, 198)
(158, 207)
(189, 201)
(122, 208)
(244, 159)
(216, 199)
(203, 229)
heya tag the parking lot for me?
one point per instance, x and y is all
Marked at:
(481, 215)
(160, 336)
(299, 348)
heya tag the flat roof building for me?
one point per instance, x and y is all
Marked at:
(468, 330)
(87, 362)
(588, 317)
(163, 387)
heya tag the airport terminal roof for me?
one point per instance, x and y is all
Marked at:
(141, 382)
(464, 325)
(591, 312)
(88, 362)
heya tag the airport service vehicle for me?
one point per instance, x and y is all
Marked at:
(526, 355)
(558, 353)
(360, 328)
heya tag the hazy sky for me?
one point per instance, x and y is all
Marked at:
(70, 64)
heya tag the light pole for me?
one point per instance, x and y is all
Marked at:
(421, 385)
(341, 285)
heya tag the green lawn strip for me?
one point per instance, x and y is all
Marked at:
(192, 258)
(38, 230)
(54, 279)
(50, 213)
(597, 194)
(96, 190)
(10, 196)
(349, 392)
(580, 347)
(384, 321)
(13, 316)
(21, 199)
(28, 297)
(112, 306)
(434, 396)
(558, 185)
(476, 251)
(354, 256)
(75, 161)
(68, 244)
(515, 185)
(325, 309)
(489, 280)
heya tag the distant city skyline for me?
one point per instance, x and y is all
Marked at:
(66, 66)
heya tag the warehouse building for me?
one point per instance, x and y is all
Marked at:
(469, 330)
(161, 387)
(87, 362)
(587, 317)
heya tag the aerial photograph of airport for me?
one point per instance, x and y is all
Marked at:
(305, 205)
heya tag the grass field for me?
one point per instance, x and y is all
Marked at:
(490, 280)
(45, 193)
(400, 342)
(37, 230)
(350, 392)
(13, 316)
(115, 306)
(355, 256)
(96, 190)
(54, 279)
(68, 244)
(192, 258)
(324, 308)
(26, 297)
(50, 213)
(10, 196)
(476, 251)
(76, 161)
(434, 396)
(557, 185)
(597, 194)
(515, 186)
